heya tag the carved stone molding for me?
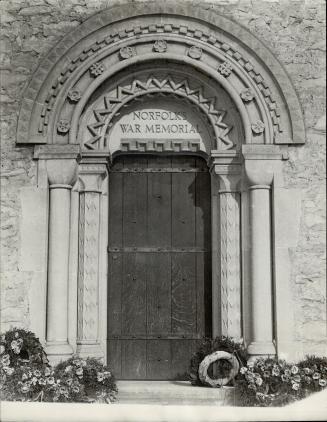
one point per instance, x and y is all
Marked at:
(225, 37)
(91, 177)
(169, 145)
(124, 94)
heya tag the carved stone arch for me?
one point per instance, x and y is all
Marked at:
(211, 42)
(186, 46)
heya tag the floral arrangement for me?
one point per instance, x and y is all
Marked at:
(25, 374)
(223, 367)
(18, 345)
(272, 382)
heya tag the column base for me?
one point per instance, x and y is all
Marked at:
(58, 351)
(89, 350)
(261, 349)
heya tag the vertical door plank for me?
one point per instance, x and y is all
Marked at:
(135, 205)
(158, 359)
(183, 210)
(159, 210)
(134, 294)
(203, 210)
(114, 357)
(182, 351)
(134, 359)
(158, 293)
(116, 209)
(183, 293)
(115, 265)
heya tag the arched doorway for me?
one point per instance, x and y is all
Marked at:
(159, 257)
(78, 114)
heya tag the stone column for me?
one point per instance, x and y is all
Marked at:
(61, 176)
(88, 337)
(227, 167)
(260, 167)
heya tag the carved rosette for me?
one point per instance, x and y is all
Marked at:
(247, 95)
(97, 69)
(63, 126)
(91, 178)
(74, 95)
(258, 127)
(195, 52)
(127, 52)
(160, 46)
(225, 69)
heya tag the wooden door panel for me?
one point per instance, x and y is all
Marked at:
(158, 359)
(114, 293)
(133, 306)
(158, 293)
(183, 295)
(182, 212)
(133, 358)
(159, 210)
(181, 352)
(135, 209)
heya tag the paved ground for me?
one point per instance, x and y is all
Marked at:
(313, 408)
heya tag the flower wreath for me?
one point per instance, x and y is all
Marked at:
(234, 354)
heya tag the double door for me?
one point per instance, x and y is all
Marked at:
(159, 281)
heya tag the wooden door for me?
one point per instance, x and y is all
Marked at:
(159, 289)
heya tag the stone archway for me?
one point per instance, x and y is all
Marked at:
(76, 99)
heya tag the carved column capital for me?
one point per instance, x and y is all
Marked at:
(261, 164)
(227, 166)
(91, 177)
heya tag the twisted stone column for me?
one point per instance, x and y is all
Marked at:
(91, 177)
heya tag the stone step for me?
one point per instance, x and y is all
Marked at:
(173, 393)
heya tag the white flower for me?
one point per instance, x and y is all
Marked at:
(295, 386)
(47, 371)
(2, 349)
(51, 380)
(37, 373)
(316, 376)
(294, 369)
(258, 381)
(5, 360)
(79, 372)
(107, 374)
(322, 383)
(100, 376)
(16, 334)
(68, 368)
(9, 371)
(42, 381)
(34, 380)
(243, 370)
(24, 377)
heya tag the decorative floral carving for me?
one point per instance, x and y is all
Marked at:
(127, 52)
(63, 126)
(96, 69)
(160, 46)
(195, 52)
(247, 95)
(74, 95)
(258, 127)
(225, 69)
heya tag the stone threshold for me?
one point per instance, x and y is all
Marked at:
(313, 408)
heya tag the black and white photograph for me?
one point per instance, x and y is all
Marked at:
(163, 211)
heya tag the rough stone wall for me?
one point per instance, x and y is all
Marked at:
(292, 29)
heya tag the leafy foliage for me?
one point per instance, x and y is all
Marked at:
(223, 367)
(272, 382)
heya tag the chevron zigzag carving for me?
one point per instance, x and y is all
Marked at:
(123, 95)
